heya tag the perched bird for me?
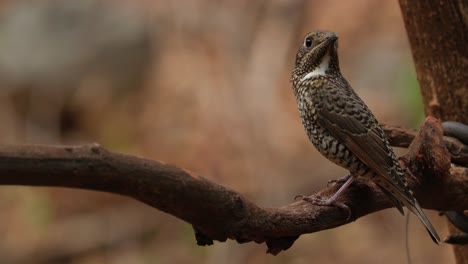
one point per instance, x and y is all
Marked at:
(342, 127)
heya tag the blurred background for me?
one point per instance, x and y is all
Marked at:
(204, 85)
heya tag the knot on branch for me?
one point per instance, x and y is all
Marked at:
(427, 158)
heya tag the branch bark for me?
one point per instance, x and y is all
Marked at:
(218, 213)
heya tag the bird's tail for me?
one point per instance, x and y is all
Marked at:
(392, 198)
(417, 210)
(405, 197)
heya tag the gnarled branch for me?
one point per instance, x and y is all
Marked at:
(218, 213)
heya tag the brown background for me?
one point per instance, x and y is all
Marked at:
(204, 85)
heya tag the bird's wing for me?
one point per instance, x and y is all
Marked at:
(345, 116)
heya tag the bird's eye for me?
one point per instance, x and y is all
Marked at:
(308, 42)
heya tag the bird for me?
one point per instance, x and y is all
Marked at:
(343, 129)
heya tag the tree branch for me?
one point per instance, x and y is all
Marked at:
(218, 213)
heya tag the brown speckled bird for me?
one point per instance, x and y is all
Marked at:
(342, 127)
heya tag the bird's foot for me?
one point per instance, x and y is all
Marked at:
(320, 200)
(339, 181)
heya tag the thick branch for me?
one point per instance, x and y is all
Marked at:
(218, 213)
(402, 137)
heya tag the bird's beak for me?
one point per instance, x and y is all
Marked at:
(331, 41)
(331, 38)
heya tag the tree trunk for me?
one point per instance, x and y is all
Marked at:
(437, 31)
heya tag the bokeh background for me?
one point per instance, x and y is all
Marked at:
(204, 85)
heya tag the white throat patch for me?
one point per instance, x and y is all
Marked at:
(320, 70)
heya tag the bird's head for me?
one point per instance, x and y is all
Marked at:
(316, 56)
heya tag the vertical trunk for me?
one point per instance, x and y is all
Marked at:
(438, 34)
(438, 31)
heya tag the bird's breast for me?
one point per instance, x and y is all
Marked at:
(308, 102)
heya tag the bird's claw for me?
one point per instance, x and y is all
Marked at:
(299, 196)
(338, 181)
(320, 200)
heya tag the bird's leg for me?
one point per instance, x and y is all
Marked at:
(340, 180)
(332, 201)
